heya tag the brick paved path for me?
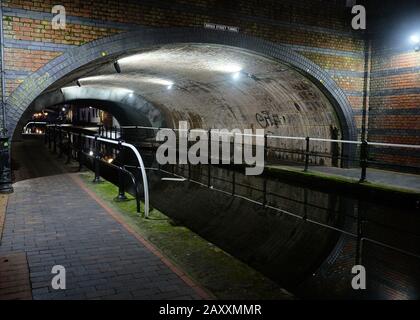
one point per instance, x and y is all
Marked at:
(56, 222)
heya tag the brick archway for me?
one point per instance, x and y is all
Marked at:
(145, 38)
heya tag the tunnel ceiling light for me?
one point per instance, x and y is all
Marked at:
(236, 75)
(232, 68)
(117, 67)
(131, 79)
(131, 59)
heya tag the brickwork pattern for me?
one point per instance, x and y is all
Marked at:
(318, 30)
(57, 223)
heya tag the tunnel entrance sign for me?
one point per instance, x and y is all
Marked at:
(221, 27)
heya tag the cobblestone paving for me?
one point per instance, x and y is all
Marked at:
(57, 223)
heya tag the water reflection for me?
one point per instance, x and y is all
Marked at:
(306, 240)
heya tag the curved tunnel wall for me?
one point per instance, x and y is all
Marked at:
(109, 48)
(290, 91)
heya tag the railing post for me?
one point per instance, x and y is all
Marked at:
(121, 188)
(189, 163)
(55, 140)
(307, 148)
(233, 182)
(45, 135)
(209, 161)
(363, 159)
(265, 147)
(60, 142)
(359, 233)
(265, 192)
(96, 161)
(80, 150)
(69, 151)
(49, 138)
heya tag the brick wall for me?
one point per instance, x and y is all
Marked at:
(317, 29)
(320, 34)
(394, 108)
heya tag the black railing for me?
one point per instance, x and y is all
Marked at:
(207, 180)
(82, 148)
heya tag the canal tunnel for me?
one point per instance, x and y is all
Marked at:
(219, 86)
(210, 87)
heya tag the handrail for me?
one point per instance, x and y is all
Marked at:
(30, 122)
(139, 159)
(131, 175)
(142, 168)
(284, 137)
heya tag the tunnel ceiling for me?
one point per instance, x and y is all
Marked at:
(214, 86)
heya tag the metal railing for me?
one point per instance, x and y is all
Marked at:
(94, 141)
(359, 153)
(264, 201)
(25, 128)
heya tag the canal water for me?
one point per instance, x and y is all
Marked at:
(305, 239)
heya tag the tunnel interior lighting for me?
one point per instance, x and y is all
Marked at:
(232, 68)
(236, 75)
(91, 153)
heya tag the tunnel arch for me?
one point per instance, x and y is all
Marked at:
(114, 46)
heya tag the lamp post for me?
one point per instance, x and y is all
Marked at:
(415, 40)
(5, 168)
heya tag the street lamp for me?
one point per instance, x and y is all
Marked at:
(415, 40)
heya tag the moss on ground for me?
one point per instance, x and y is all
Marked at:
(221, 274)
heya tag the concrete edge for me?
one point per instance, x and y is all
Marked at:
(346, 184)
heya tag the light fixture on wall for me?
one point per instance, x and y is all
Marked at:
(415, 40)
(117, 67)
